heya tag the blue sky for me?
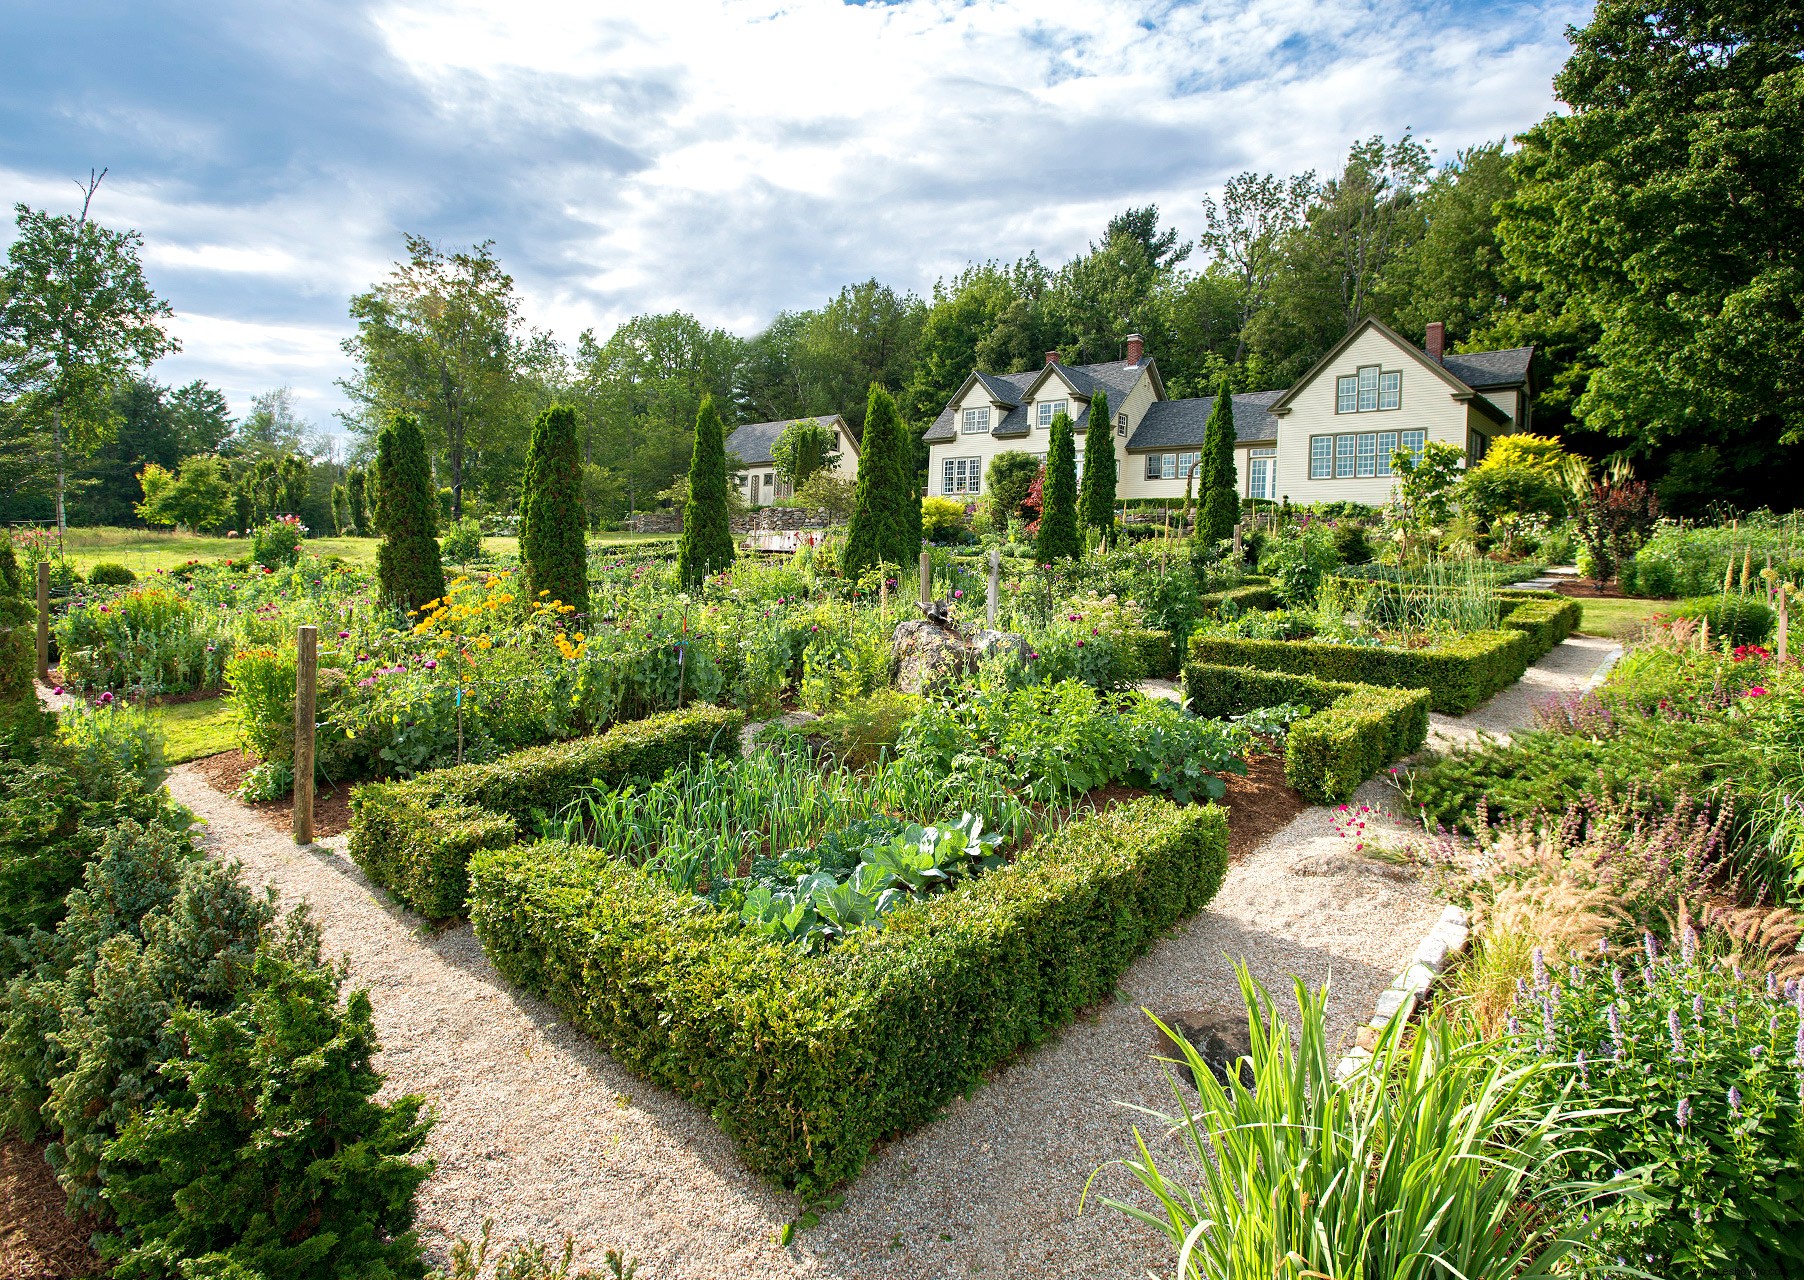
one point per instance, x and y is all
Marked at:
(724, 158)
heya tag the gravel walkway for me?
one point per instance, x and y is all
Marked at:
(1569, 668)
(545, 1134)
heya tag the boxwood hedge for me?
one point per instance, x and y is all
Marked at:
(808, 1061)
(1545, 619)
(1458, 674)
(1355, 731)
(416, 837)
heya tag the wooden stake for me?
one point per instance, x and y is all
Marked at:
(995, 592)
(926, 577)
(306, 688)
(44, 621)
(1784, 619)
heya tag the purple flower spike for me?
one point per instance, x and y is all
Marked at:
(1672, 1025)
(1734, 1101)
(1683, 1112)
(1650, 946)
(1697, 1008)
(1688, 944)
(1540, 963)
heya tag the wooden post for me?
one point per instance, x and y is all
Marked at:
(1784, 619)
(306, 686)
(883, 593)
(926, 577)
(1237, 527)
(994, 597)
(44, 621)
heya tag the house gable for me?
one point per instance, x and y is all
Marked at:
(1455, 387)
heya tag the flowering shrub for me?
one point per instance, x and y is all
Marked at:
(1701, 1072)
(151, 639)
(278, 543)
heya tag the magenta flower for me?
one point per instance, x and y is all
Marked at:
(1754, 691)
(105, 699)
(344, 635)
(432, 664)
(58, 691)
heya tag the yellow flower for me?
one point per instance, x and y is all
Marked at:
(580, 637)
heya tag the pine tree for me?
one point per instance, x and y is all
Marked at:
(881, 522)
(551, 512)
(707, 545)
(1218, 496)
(1096, 499)
(1058, 521)
(407, 563)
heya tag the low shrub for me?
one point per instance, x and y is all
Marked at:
(1256, 595)
(462, 543)
(1459, 673)
(109, 574)
(808, 1061)
(277, 543)
(1353, 733)
(1545, 620)
(856, 733)
(1150, 652)
(115, 735)
(416, 837)
(1733, 619)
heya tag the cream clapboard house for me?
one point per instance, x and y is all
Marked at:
(751, 467)
(1328, 438)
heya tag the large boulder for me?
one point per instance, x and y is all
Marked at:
(923, 656)
(987, 644)
(1219, 1035)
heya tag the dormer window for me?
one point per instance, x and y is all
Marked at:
(1369, 390)
(1050, 409)
(977, 420)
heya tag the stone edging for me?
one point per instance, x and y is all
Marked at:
(1403, 997)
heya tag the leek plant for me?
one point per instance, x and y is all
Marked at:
(1426, 1163)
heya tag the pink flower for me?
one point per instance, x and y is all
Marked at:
(344, 635)
(432, 664)
(58, 691)
(1756, 691)
(105, 698)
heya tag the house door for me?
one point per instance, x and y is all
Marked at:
(754, 489)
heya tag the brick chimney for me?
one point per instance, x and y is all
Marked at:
(1435, 341)
(1136, 347)
(1052, 357)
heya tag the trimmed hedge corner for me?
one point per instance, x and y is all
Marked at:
(416, 837)
(1256, 595)
(1545, 619)
(1153, 652)
(1356, 731)
(808, 1061)
(1459, 674)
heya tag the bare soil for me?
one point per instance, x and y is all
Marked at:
(331, 805)
(38, 1240)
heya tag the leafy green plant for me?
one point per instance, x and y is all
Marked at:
(1419, 1166)
(108, 574)
(277, 543)
(1733, 619)
(462, 543)
(113, 734)
(531, 1260)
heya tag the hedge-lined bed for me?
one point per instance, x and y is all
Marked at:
(1545, 619)
(1459, 674)
(807, 1061)
(1356, 729)
(416, 837)
(1259, 594)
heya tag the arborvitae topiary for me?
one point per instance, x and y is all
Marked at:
(551, 512)
(1218, 497)
(907, 446)
(1096, 498)
(407, 563)
(880, 526)
(707, 544)
(1058, 520)
(356, 490)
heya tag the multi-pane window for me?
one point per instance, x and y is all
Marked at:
(1367, 455)
(1387, 445)
(1121, 423)
(1262, 478)
(1368, 390)
(1414, 441)
(1164, 466)
(977, 419)
(962, 475)
(1343, 457)
(1321, 457)
(1050, 409)
(1187, 465)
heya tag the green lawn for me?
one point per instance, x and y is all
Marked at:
(144, 551)
(1618, 619)
(195, 729)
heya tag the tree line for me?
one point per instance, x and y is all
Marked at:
(1646, 240)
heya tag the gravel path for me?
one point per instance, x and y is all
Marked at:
(1567, 669)
(547, 1135)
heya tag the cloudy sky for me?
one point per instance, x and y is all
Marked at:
(722, 157)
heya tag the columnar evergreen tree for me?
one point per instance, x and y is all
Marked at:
(341, 511)
(882, 523)
(1058, 518)
(1096, 497)
(1218, 496)
(707, 545)
(407, 563)
(551, 512)
(358, 494)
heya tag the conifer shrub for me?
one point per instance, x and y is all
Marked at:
(706, 546)
(407, 563)
(1096, 496)
(551, 511)
(1218, 499)
(882, 526)
(1058, 539)
(357, 500)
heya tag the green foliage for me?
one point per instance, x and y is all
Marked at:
(1352, 733)
(114, 736)
(803, 448)
(827, 492)
(1426, 483)
(1351, 545)
(881, 523)
(1218, 495)
(874, 1038)
(277, 543)
(271, 1154)
(1417, 1167)
(1058, 537)
(942, 519)
(1694, 560)
(407, 562)
(1694, 1068)
(357, 492)
(1736, 620)
(858, 731)
(1297, 560)
(198, 497)
(416, 837)
(109, 574)
(1257, 595)
(531, 1260)
(152, 638)
(707, 543)
(462, 543)
(1009, 477)
(551, 510)
(1096, 495)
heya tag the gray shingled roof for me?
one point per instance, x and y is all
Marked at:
(752, 443)
(1179, 424)
(1117, 377)
(1484, 369)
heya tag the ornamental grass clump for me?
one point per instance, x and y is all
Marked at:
(1430, 1162)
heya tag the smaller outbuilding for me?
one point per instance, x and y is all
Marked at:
(752, 467)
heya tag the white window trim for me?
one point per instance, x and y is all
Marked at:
(1352, 389)
(975, 420)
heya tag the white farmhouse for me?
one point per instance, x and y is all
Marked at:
(1328, 438)
(751, 467)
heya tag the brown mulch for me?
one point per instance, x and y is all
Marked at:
(1259, 803)
(1583, 590)
(38, 1241)
(331, 805)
